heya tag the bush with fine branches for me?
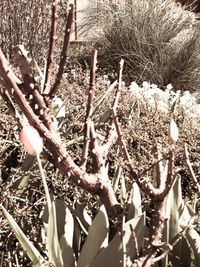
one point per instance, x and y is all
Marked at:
(27, 22)
(159, 40)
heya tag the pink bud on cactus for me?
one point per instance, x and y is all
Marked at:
(31, 139)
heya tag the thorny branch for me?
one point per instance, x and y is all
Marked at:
(52, 45)
(64, 52)
(31, 88)
(97, 183)
(89, 109)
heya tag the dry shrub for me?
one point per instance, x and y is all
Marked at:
(158, 40)
(28, 22)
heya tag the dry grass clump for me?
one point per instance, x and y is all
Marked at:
(158, 40)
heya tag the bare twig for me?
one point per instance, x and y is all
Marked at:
(64, 52)
(52, 45)
(89, 110)
(192, 174)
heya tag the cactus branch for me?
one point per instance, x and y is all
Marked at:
(52, 45)
(89, 110)
(112, 134)
(64, 52)
(97, 183)
(31, 88)
(145, 184)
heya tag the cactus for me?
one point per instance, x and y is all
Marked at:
(120, 234)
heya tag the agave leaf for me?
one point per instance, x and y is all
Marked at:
(27, 245)
(135, 203)
(185, 258)
(102, 98)
(96, 239)
(53, 246)
(185, 214)
(193, 238)
(115, 180)
(82, 217)
(123, 190)
(172, 228)
(67, 253)
(112, 255)
(77, 238)
(69, 228)
(191, 235)
(60, 216)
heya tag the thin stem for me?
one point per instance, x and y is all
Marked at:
(44, 183)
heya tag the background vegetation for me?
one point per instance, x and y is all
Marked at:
(159, 42)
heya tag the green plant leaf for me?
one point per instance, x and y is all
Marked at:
(102, 98)
(77, 238)
(82, 217)
(186, 212)
(69, 227)
(27, 245)
(53, 246)
(193, 238)
(67, 253)
(135, 203)
(123, 190)
(173, 204)
(185, 258)
(116, 178)
(112, 255)
(97, 238)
